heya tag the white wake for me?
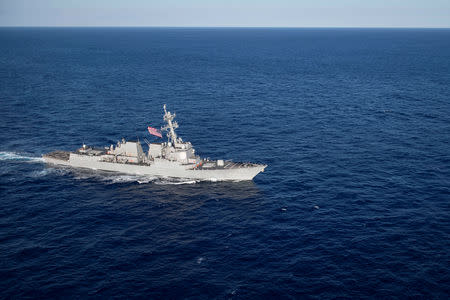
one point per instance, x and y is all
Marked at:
(14, 156)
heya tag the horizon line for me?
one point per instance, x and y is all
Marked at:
(212, 27)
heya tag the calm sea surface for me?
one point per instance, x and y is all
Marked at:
(353, 123)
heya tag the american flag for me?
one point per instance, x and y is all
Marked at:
(154, 131)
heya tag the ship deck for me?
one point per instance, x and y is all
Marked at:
(228, 165)
(61, 155)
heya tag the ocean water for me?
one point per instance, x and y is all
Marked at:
(354, 125)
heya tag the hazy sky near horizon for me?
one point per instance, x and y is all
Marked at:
(212, 13)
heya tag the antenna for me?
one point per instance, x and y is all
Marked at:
(171, 125)
(147, 142)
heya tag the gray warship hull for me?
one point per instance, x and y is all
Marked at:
(174, 158)
(159, 167)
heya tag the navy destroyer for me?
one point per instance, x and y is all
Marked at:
(174, 158)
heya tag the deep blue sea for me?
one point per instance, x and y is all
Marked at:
(354, 125)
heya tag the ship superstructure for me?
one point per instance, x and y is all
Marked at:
(174, 158)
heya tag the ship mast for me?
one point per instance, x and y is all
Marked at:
(171, 126)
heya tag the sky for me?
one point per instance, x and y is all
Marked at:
(227, 13)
